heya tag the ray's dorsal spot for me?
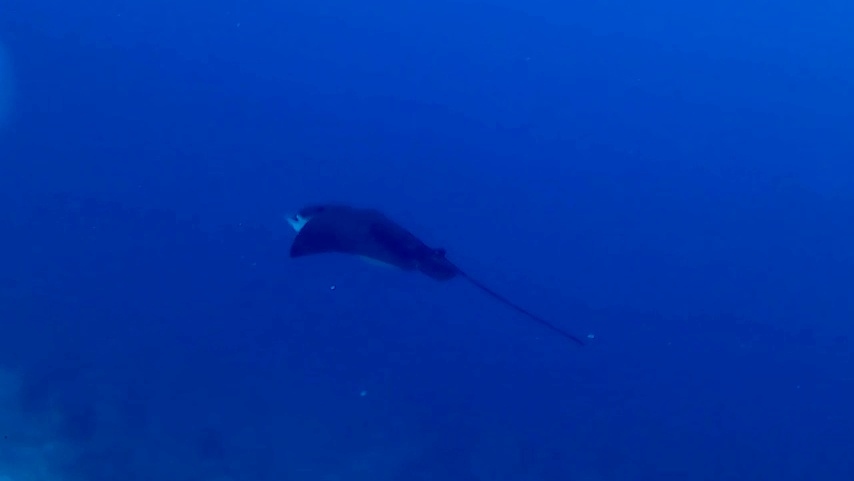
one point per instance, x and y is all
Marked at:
(368, 233)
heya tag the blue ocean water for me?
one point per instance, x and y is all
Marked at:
(673, 179)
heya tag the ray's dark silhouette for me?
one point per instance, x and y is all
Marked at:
(370, 233)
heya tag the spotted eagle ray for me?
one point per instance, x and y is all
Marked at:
(338, 228)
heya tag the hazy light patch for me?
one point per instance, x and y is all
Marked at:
(5, 86)
(28, 450)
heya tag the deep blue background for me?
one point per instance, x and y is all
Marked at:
(674, 178)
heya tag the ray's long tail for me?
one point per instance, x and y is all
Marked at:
(521, 309)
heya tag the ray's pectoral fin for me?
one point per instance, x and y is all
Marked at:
(312, 240)
(398, 241)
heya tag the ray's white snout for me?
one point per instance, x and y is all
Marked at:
(297, 222)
